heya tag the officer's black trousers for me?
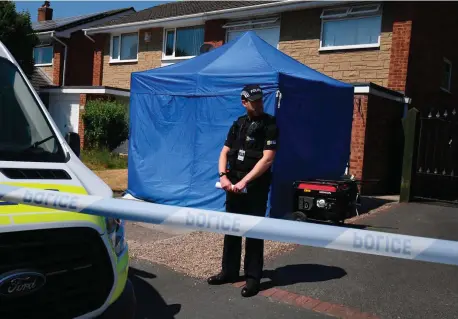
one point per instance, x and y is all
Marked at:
(253, 203)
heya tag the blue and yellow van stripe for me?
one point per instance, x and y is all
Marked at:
(16, 213)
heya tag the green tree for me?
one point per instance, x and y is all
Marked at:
(17, 35)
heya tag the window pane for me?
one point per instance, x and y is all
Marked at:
(43, 55)
(188, 41)
(115, 51)
(271, 36)
(351, 32)
(169, 42)
(129, 44)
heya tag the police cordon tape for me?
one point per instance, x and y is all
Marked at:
(308, 234)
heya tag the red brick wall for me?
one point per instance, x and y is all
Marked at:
(400, 46)
(399, 59)
(376, 152)
(358, 135)
(58, 63)
(214, 33)
(79, 67)
(383, 146)
(97, 74)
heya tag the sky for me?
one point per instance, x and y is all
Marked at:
(66, 8)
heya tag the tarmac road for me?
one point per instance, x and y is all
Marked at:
(164, 294)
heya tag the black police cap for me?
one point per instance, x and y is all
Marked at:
(252, 92)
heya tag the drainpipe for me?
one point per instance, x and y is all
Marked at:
(87, 36)
(407, 101)
(53, 35)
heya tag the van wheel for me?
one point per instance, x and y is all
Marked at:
(299, 216)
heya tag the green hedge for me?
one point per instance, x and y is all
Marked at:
(106, 124)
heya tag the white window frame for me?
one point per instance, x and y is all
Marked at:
(118, 60)
(52, 59)
(164, 43)
(350, 15)
(448, 90)
(255, 24)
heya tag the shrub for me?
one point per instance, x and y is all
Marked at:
(106, 124)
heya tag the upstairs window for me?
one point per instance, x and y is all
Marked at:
(124, 47)
(446, 75)
(183, 42)
(43, 55)
(351, 27)
(267, 29)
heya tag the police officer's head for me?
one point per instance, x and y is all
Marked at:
(252, 99)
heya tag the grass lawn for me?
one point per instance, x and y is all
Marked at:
(101, 160)
(111, 168)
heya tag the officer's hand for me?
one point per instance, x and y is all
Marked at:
(225, 183)
(240, 186)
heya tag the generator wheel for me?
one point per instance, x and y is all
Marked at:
(299, 216)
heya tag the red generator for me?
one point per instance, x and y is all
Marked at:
(325, 200)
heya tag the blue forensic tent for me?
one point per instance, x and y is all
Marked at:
(180, 115)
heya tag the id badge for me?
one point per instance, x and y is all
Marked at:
(241, 155)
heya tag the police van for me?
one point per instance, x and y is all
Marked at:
(53, 264)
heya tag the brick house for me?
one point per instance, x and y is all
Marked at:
(386, 49)
(64, 64)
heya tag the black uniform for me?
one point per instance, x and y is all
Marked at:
(247, 139)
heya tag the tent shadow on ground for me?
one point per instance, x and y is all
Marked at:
(150, 303)
(300, 273)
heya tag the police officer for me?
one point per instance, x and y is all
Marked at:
(249, 150)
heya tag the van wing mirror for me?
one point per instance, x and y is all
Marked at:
(73, 140)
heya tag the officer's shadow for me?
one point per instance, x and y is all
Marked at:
(293, 274)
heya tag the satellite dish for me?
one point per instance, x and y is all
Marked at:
(206, 47)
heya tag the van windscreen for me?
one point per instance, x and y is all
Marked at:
(25, 133)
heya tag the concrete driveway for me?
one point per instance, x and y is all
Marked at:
(385, 287)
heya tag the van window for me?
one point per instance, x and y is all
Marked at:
(25, 134)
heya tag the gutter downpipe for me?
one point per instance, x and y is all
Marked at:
(407, 101)
(87, 36)
(275, 7)
(53, 33)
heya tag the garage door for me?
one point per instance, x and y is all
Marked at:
(64, 109)
(270, 35)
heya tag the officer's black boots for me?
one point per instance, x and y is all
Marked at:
(251, 288)
(221, 279)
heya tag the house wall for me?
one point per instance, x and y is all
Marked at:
(149, 56)
(433, 38)
(49, 70)
(358, 135)
(79, 65)
(300, 38)
(383, 146)
(376, 153)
